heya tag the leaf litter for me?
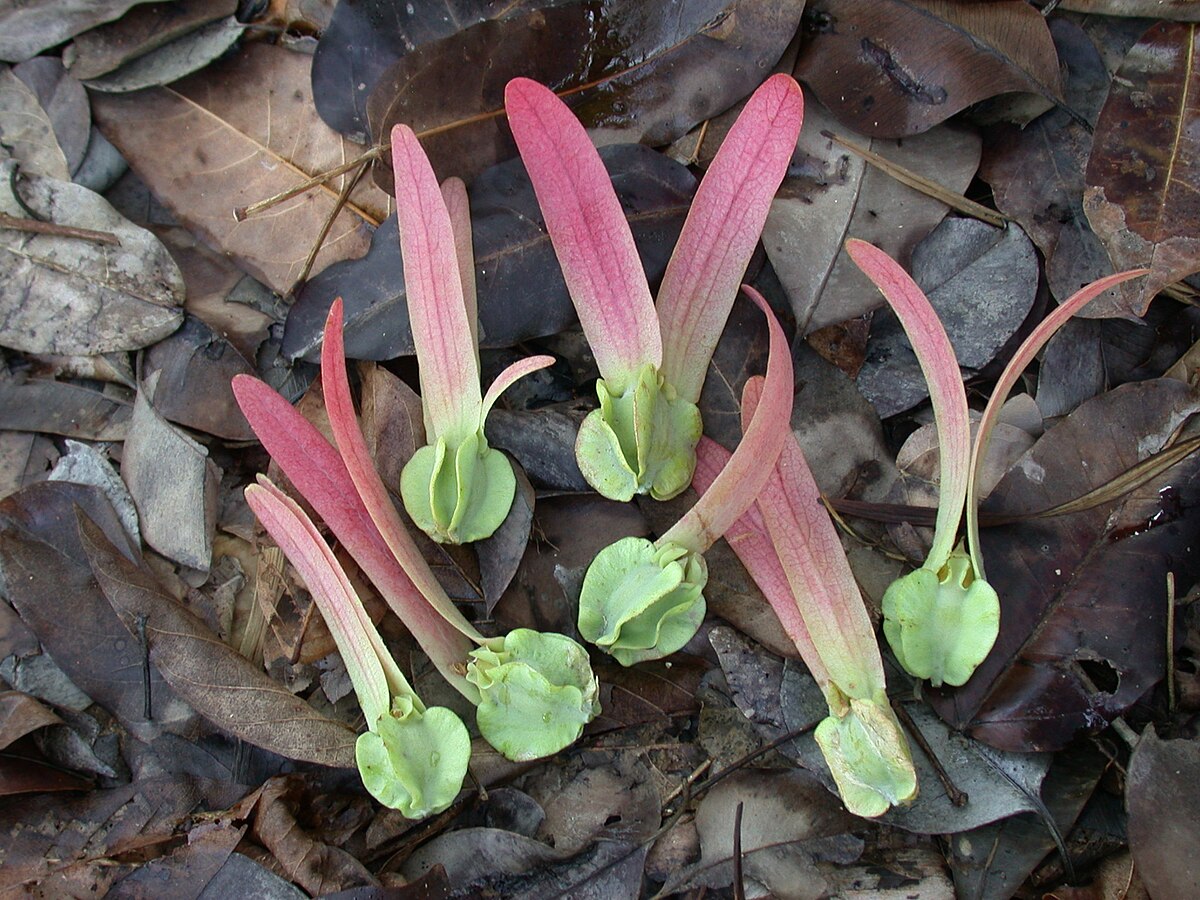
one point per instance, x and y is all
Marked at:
(164, 667)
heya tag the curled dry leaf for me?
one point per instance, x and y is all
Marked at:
(65, 295)
(231, 135)
(218, 681)
(26, 130)
(170, 62)
(1142, 175)
(65, 102)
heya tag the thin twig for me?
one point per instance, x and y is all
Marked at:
(739, 889)
(921, 183)
(244, 212)
(36, 226)
(343, 196)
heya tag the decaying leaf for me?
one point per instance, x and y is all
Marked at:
(31, 26)
(21, 714)
(84, 464)
(1143, 193)
(1162, 792)
(520, 284)
(832, 194)
(26, 130)
(65, 102)
(25, 457)
(898, 67)
(173, 483)
(631, 72)
(1083, 597)
(236, 133)
(142, 30)
(66, 295)
(220, 683)
(982, 281)
(172, 61)
(58, 407)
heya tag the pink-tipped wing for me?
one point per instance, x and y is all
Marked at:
(750, 541)
(940, 368)
(817, 570)
(454, 193)
(511, 375)
(442, 335)
(590, 233)
(732, 492)
(1026, 352)
(722, 230)
(362, 649)
(370, 487)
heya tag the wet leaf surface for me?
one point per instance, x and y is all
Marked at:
(634, 73)
(1083, 597)
(521, 291)
(1141, 195)
(898, 67)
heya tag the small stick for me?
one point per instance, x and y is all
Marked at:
(921, 183)
(242, 213)
(739, 889)
(34, 226)
(344, 196)
(147, 705)
(1170, 643)
(957, 797)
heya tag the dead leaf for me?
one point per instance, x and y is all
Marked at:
(65, 102)
(65, 295)
(219, 682)
(142, 30)
(31, 27)
(1178, 10)
(20, 715)
(898, 67)
(1162, 790)
(231, 135)
(24, 458)
(832, 194)
(195, 368)
(51, 586)
(173, 483)
(84, 464)
(1082, 597)
(26, 131)
(58, 407)
(632, 73)
(501, 554)
(1142, 186)
(170, 62)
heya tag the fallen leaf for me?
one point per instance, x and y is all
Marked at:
(543, 442)
(31, 27)
(84, 464)
(1037, 173)
(170, 62)
(65, 295)
(174, 484)
(195, 368)
(1179, 10)
(65, 102)
(220, 683)
(501, 554)
(20, 715)
(832, 194)
(187, 870)
(1141, 179)
(21, 775)
(898, 67)
(241, 874)
(982, 282)
(997, 784)
(988, 861)
(1082, 596)
(649, 692)
(26, 130)
(631, 73)
(521, 290)
(363, 39)
(25, 457)
(1162, 789)
(51, 586)
(231, 135)
(58, 407)
(142, 30)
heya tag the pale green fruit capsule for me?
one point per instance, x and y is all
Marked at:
(868, 756)
(537, 692)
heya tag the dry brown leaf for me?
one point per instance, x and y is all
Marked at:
(236, 133)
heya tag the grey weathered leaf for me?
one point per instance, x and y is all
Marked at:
(172, 61)
(173, 483)
(65, 295)
(58, 407)
(83, 464)
(65, 102)
(26, 131)
(28, 27)
(832, 194)
(982, 282)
